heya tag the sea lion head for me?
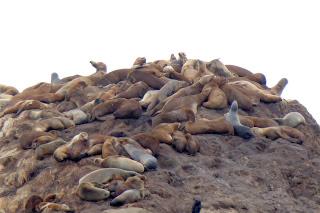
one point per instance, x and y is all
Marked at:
(100, 66)
(234, 106)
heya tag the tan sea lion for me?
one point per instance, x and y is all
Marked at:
(179, 141)
(137, 90)
(47, 207)
(292, 119)
(9, 90)
(217, 98)
(23, 105)
(104, 175)
(128, 196)
(288, 133)
(192, 146)
(139, 62)
(122, 163)
(148, 78)
(241, 72)
(66, 106)
(92, 192)
(205, 126)
(77, 115)
(110, 93)
(73, 150)
(180, 115)
(148, 98)
(118, 185)
(253, 121)
(40, 114)
(163, 132)
(148, 141)
(218, 68)
(55, 123)
(27, 138)
(48, 148)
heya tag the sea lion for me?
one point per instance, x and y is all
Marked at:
(192, 102)
(137, 90)
(23, 105)
(233, 118)
(32, 203)
(217, 98)
(180, 115)
(139, 62)
(40, 114)
(252, 121)
(122, 163)
(129, 196)
(48, 148)
(120, 107)
(168, 89)
(241, 72)
(77, 115)
(139, 154)
(55, 123)
(54, 78)
(114, 77)
(117, 186)
(192, 146)
(27, 138)
(206, 126)
(179, 141)
(47, 207)
(9, 90)
(111, 91)
(148, 141)
(90, 192)
(288, 133)
(192, 70)
(74, 150)
(111, 147)
(100, 66)
(104, 175)
(218, 68)
(151, 80)
(163, 132)
(87, 108)
(292, 119)
(148, 98)
(66, 106)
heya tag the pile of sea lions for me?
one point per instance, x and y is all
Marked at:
(164, 94)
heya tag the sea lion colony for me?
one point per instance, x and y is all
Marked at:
(165, 95)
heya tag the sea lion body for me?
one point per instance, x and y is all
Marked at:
(136, 90)
(48, 148)
(292, 119)
(88, 191)
(122, 163)
(128, 196)
(205, 126)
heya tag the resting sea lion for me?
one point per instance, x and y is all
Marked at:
(292, 119)
(104, 175)
(179, 141)
(139, 62)
(9, 90)
(148, 98)
(179, 115)
(148, 78)
(136, 90)
(77, 115)
(288, 133)
(205, 126)
(241, 72)
(218, 68)
(217, 98)
(90, 192)
(129, 196)
(27, 138)
(122, 163)
(163, 132)
(148, 141)
(55, 123)
(252, 121)
(24, 105)
(74, 150)
(48, 148)
(46, 207)
(117, 186)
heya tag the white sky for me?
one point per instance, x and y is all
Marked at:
(277, 38)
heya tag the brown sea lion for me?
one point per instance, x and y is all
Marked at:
(23, 105)
(139, 62)
(55, 123)
(32, 203)
(48, 148)
(163, 132)
(118, 186)
(241, 72)
(148, 97)
(73, 150)
(27, 139)
(9, 90)
(136, 90)
(47, 207)
(217, 98)
(180, 115)
(92, 192)
(151, 80)
(179, 141)
(217, 68)
(288, 133)
(148, 141)
(66, 106)
(205, 126)
(253, 121)
(100, 66)
(192, 146)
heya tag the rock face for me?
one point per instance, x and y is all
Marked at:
(229, 174)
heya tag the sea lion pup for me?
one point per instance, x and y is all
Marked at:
(217, 98)
(205, 126)
(47, 207)
(139, 62)
(74, 150)
(120, 107)
(252, 121)
(141, 155)
(54, 78)
(180, 115)
(192, 102)
(218, 68)
(90, 192)
(279, 87)
(77, 115)
(9, 90)
(292, 119)
(233, 118)
(55, 123)
(150, 79)
(148, 98)
(148, 141)
(100, 66)
(102, 176)
(241, 72)
(48, 148)
(27, 139)
(128, 196)
(24, 105)
(168, 89)
(136, 90)
(288, 133)
(163, 132)
(122, 163)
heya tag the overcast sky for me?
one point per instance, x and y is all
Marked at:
(277, 38)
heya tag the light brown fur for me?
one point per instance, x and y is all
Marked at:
(163, 132)
(203, 126)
